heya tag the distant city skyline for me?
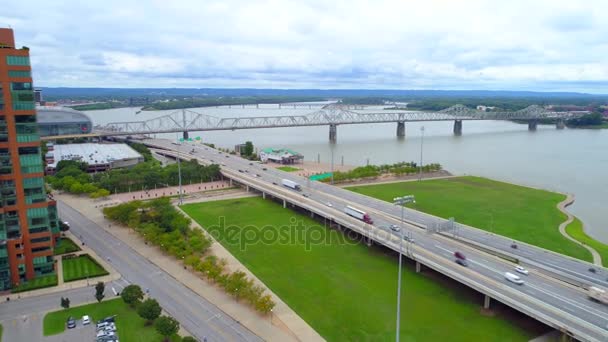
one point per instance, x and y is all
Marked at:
(486, 45)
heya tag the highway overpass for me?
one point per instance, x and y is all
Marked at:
(552, 293)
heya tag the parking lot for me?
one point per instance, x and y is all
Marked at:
(29, 328)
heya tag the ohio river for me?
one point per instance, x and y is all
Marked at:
(569, 161)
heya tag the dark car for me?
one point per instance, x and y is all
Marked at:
(274, 183)
(462, 262)
(514, 246)
(264, 169)
(241, 171)
(250, 163)
(306, 195)
(459, 255)
(71, 323)
(109, 319)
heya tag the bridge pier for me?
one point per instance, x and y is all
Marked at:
(532, 125)
(457, 127)
(560, 124)
(418, 266)
(284, 204)
(247, 187)
(486, 302)
(230, 182)
(185, 135)
(263, 195)
(400, 129)
(333, 133)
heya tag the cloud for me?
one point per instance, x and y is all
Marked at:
(482, 44)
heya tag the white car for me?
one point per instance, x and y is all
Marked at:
(521, 270)
(86, 320)
(395, 228)
(329, 204)
(514, 278)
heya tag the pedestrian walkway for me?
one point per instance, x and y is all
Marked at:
(282, 325)
(169, 191)
(597, 259)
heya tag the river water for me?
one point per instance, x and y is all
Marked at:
(570, 160)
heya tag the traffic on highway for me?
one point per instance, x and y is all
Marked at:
(531, 290)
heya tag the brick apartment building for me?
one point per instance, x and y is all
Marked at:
(29, 225)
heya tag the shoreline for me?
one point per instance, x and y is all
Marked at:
(561, 206)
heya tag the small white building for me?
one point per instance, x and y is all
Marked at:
(99, 157)
(280, 155)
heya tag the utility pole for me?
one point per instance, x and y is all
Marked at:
(402, 201)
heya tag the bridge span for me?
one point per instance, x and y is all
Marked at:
(553, 293)
(332, 115)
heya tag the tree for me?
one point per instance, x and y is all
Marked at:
(99, 288)
(149, 310)
(167, 326)
(132, 294)
(65, 303)
(248, 150)
(265, 304)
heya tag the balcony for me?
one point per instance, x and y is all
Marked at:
(35, 198)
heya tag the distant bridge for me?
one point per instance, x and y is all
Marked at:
(331, 115)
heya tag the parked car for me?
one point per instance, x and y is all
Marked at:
(71, 322)
(86, 320)
(395, 228)
(520, 269)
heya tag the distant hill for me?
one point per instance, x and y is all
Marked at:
(327, 93)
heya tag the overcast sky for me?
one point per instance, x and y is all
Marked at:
(556, 45)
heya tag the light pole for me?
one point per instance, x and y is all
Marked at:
(402, 201)
(421, 144)
(332, 164)
(179, 170)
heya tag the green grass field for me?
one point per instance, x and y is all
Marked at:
(575, 230)
(130, 327)
(65, 245)
(81, 267)
(288, 168)
(518, 212)
(347, 291)
(37, 283)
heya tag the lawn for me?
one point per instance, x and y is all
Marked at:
(130, 327)
(37, 283)
(65, 245)
(288, 168)
(518, 212)
(81, 267)
(347, 291)
(575, 230)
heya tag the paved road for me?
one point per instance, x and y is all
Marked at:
(200, 317)
(559, 304)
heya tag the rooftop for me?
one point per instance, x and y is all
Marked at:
(93, 154)
(48, 115)
(272, 150)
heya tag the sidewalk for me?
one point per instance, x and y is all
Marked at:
(597, 258)
(169, 191)
(282, 325)
(61, 285)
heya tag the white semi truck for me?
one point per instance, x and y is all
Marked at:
(291, 184)
(358, 214)
(598, 294)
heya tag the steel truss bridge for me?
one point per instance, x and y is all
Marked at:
(332, 115)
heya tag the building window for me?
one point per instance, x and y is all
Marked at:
(17, 60)
(19, 73)
(41, 239)
(21, 86)
(40, 249)
(23, 106)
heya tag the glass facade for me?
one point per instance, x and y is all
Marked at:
(19, 73)
(18, 60)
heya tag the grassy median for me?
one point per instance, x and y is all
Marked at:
(345, 290)
(522, 213)
(129, 326)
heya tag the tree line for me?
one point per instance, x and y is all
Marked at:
(164, 226)
(372, 171)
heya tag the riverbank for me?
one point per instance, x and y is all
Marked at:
(522, 213)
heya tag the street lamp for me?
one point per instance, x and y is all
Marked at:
(421, 144)
(332, 163)
(401, 201)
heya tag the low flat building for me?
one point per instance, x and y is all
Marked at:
(99, 157)
(281, 156)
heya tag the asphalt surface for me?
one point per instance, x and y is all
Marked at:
(197, 315)
(569, 306)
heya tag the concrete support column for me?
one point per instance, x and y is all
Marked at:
(230, 181)
(333, 133)
(400, 129)
(263, 195)
(560, 124)
(486, 302)
(185, 135)
(247, 187)
(532, 125)
(312, 215)
(457, 127)
(284, 204)
(418, 266)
